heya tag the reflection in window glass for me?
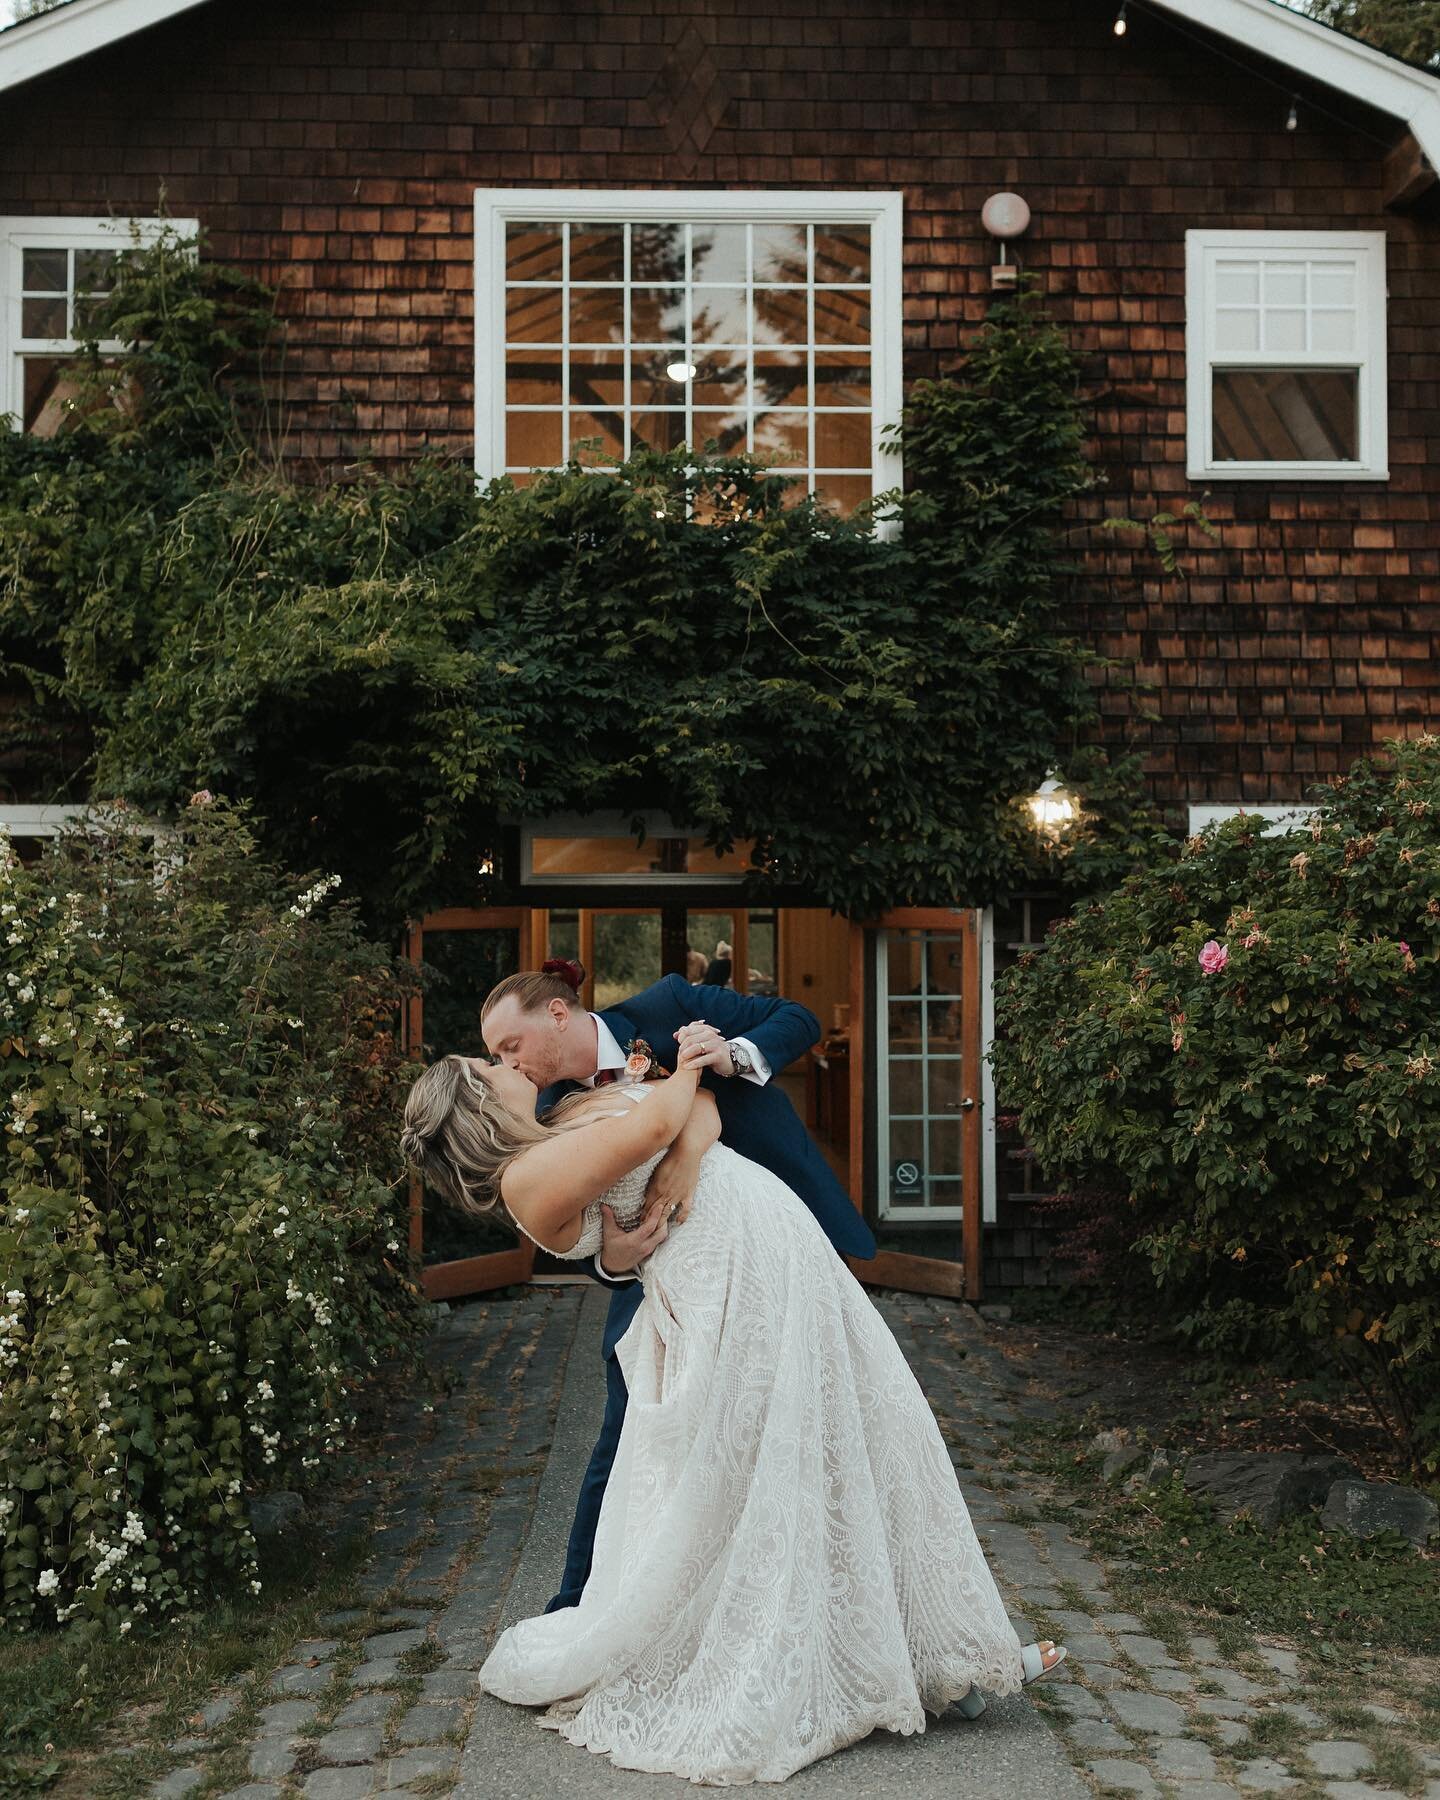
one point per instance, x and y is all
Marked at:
(672, 332)
(1286, 415)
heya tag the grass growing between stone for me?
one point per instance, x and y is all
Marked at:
(65, 1707)
(1325, 1589)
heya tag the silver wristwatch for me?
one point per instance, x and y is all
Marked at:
(741, 1060)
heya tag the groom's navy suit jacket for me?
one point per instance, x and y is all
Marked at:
(758, 1122)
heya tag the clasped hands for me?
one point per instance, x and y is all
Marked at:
(671, 1187)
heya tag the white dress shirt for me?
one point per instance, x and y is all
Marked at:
(609, 1055)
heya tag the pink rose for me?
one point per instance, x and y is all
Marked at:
(1404, 948)
(1213, 957)
(202, 798)
(637, 1066)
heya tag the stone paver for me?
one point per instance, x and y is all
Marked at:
(1264, 1775)
(429, 1722)
(271, 1758)
(1342, 1759)
(1185, 1759)
(178, 1782)
(1148, 1712)
(354, 1744)
(1115, 1772)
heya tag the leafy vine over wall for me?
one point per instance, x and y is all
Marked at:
(391, 666)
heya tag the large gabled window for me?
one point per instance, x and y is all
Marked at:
(50, 270)
(760, 322)
(1285, 355)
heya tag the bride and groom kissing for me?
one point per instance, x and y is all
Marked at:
(771, 1557)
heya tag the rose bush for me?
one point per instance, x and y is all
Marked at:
(1243, 1042)
(201, 1228)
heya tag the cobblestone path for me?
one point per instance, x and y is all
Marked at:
(1140, 1715)
(383, 1703)
(386, 1704)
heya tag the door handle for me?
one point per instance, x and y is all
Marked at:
(966, 1103)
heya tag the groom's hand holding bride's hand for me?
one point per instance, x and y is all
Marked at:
(621, 1251)
(702, 1046)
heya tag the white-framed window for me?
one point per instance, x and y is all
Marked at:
(1276, 818)
(1285, 355)
(49, 269)
(762, 322)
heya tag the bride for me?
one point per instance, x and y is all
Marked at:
(783, 1562)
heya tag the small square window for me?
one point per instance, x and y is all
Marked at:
(1285, 355)
(52, 273)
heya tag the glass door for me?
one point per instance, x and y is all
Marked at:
(916, 1090)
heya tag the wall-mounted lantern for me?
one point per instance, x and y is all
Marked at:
(1052, 807)
(1005, 216)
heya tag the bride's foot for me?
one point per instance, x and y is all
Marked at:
(1039, 1659)
(971, 1703)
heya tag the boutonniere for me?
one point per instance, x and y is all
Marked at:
(641, 1063)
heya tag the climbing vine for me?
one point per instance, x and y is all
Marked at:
(393, 666)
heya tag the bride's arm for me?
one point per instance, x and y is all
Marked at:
(549, 1185)
(672, 1186)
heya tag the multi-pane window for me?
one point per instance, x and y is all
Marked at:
(738, 323)
(1285, 350)
(50, 271)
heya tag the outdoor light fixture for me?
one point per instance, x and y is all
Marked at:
(1004, 216)
(1052, 807)
(680, 371)
(1293, 118)
(1121, 26)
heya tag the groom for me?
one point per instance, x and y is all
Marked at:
(535, 1023)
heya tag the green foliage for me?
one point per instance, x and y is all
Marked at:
(394, 667)
(1298, 1578)
(200, 1238)
(1274, 1124)
(1405, 28)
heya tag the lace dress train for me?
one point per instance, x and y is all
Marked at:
(784, 1561)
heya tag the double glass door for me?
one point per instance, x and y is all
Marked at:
(465, 951)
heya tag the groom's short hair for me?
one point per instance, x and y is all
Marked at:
(532, 989)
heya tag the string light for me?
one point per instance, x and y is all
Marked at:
(1292, 119)
(1121, 24)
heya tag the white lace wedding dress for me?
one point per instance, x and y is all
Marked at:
(784, 1562)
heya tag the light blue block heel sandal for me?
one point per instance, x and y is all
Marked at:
(971, 1703)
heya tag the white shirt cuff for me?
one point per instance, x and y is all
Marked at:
(760, 1074)
(606, 1276)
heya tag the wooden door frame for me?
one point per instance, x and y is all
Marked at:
(892, 1268)
(498, 1268)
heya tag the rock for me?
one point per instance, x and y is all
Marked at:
(1001, 1315)
(1116, 1438)
(1364, 1507)
(271, 1513)
(1118, 1461)
(1269, 1485)
(1155, 1473)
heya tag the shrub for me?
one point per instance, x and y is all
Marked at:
(1241, 1041)
(200, 1235)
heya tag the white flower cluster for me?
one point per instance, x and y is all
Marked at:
(12, 1330)
(313, 895)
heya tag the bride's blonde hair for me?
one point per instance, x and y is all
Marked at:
(460, 1135)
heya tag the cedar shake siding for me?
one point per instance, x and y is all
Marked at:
(334, 151)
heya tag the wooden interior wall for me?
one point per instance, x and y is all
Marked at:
(814, 961)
